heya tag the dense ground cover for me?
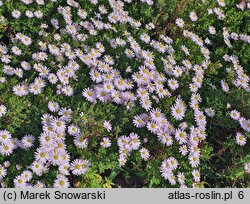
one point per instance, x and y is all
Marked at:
(98, 93)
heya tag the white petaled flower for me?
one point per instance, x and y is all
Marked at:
(41, 154)
(235, 115)
(38, 14)
(196, 175)
(181, 178)
(2, 110)
(6, 164)
(210, 112)
(17, 51)
(5, 137)
(27, 175)
(247, 167)
(180, 22)
(240, 139)
(172, 162)
(107, 125)
(3, 172)
(58, 125)
(122, 161)
(26, 40)
(178, 112)
(53, 106)
(221, 2)
(73, 130)
(105, 142)
(181, 136)
(16, 14)
(61, 182)
(37, 168)
(211, 30)
(20, 181)
(27, 141)
(29, 14)
(81, 142)
(193, 16)
(7, 148)
(39, 184)
(144, 154)
(139, 121)
(245, 124)
(79, 166)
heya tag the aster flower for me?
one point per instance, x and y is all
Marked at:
(134, 141)
(210, 112)
(79, 166)
(183, 150)
(196, 175)
(122, 141)
(58, 125)
(105, 142)
(145, 38)
(27, 175)
(156, 115)
(181, 178)
(27, 141)
(235, 115)
(47, 138)
(37, 168)
(194, 160)
(107, 125)
(73, 130)
(153, 127)
(53, 106)
(179, 22)
(172, 163)
(183, 125)
(178, 111)
(165, 169)
(80, 141)
(29, 14)
(6, 164)
(245, 124)
(3, 172)
(144, 154)
(247, 167)
(211, 30)
(39, 184)
(200, 118)
(5, 137)
(122, 161)
(17, 51)
(221, 2)
(240, 139)
(173, 84)
(55, 157)
(224, 86)
(193, 16)
(41, 155)
(139, 121)
(185, 50)
(65, 114)
(68, 90)
(61, 182)
(20, 182)
(180, 136)
(6, 149)
(16, 14)
(64, 169)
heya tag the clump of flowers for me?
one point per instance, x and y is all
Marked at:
(98, 53)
